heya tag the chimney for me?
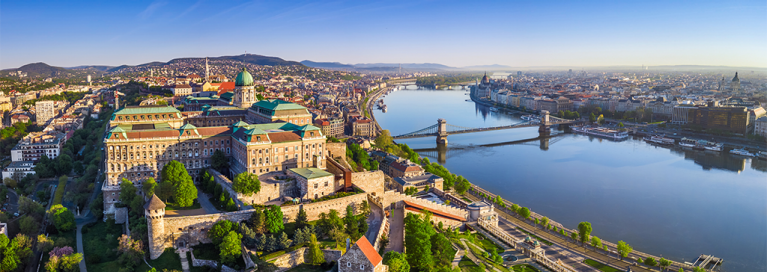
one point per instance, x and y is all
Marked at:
(348, 244)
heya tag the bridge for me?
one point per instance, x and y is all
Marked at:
(442, 129)
(442, 152)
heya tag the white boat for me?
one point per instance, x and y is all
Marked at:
(603, 132)
(713, 146)
(493, 109)
(659, 140)
(688, 142)
(741, 152)
(762, 154)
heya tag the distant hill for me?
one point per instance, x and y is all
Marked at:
(328, 65)
(40, 69)
(260, 60)
(487, 67)
(101, 68)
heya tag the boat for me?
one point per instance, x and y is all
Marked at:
(762, 155)
(688, 142)
(528, 117)
(659, 140)
(493, 109)
(741, 152)
(709, 145)
(603, 132)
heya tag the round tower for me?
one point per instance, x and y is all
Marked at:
(155, 213)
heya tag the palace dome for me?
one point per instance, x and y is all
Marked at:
(243, 78)
(736, 79)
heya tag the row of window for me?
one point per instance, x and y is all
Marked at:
(144, 117)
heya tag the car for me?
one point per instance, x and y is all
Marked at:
(16, 214)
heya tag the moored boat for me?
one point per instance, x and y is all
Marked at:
(659, 140)
(741, 152)
(603, 132)
(686, 142)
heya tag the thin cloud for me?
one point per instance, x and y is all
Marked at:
(149, 10)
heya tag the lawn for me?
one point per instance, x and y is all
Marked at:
(487, 244)
(600, 266)
(467, 265)
(466, 199)
(168, 260)
(59, 192)
(99, 242)
(535, 236)
(524, 268)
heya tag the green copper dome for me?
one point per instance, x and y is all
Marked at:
(243, 78)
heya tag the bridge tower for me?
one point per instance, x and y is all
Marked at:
(441, 131)
(543, 130)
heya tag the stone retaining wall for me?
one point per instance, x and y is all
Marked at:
(392, 197)
(369, 181)
(209, 263)
(313, 210)
(336, 150)
(300, 255)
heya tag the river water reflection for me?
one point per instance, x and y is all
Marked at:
(672, 202)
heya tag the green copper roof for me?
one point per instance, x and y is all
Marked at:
(117, 129)
(277, 104)
(310, 173)
(147, 110)
(188, 126)
(240, 124)
(243, 78)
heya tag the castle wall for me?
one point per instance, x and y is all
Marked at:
(337, 150)
(301, 255)
(392, 197)
(269, 191)
(369, 181)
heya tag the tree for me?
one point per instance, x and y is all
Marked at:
(274, 219)
(335, 220)
(365, 208)
(44, 244)
(230, 247)
(130, 251)
(164, 190)
(184, 191)
(596, 242)
(316, 256)
(462, 186)
(650, 261)
(337, 234)
(219, 161)
(257, 221)
(149, 187)
(384, 139)
(219, 230)
(246, 183)
(396, 262)
(284, 241)
(301, 218)
(592, 118)
(584, 230)
(418, 242)
(514, 207)
(441, 249)
(63, 219)
(620, 124)
(624, 249)
(663, 263)
(545, 221)
(63, 164)
(9, 182)
(352, 227)
(127, 191)
(574, 236)
(9, 260)
(28, 225)
(524, 212)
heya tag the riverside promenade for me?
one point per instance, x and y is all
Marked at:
(610, 257)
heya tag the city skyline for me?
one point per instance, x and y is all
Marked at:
(452, 33)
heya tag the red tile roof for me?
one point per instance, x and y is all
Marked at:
(369, 251)
(212, 131)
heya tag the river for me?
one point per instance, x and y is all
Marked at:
(666, 201)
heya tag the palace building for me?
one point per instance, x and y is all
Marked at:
(143, 139)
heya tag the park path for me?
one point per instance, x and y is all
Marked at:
(374, 223)
(80, 241)
(476, 259)
(184, 262)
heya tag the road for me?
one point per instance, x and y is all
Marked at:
(576, 248)
(13, 203)
(396, 231)
(374, 223)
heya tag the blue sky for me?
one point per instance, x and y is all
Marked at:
(455, 33)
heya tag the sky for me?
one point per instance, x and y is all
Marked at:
(454, 33)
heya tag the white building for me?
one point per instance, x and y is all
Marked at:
(760, 126)
(21, 168)
(36, 144)
(44, 111)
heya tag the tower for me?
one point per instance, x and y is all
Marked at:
(155, 213)
(117, 99)
(207, 71)
(244, 92)
(735, 84)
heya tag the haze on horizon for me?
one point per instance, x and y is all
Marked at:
(453, 33)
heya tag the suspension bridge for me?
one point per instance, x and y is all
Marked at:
(442, 152)
(442, 129)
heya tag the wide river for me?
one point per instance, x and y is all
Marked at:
(666, 201)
